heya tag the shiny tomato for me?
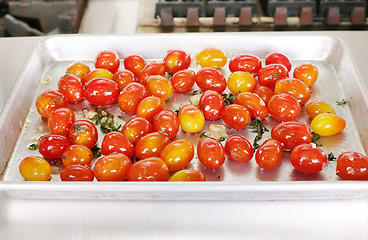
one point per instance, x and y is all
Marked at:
(134, 63)
(60, 121)
(71, 86)
(177, 154)
(253, 103)
(270, 74)
(236, 116)
(136, 128)
(79, 69)
(211, 104)
(123, 78)
(77, 154)
(211, 153)
(176, 60)
(278, 58)
(315, 108)
(116, 142)
(49, 101)
(308, 159)
(295, 88)
(35, 169)
(269, 154)
(264, 92)
(191, 119)
(284, 107)
(240, 81)
(159, 86)
(101, 92)
(107, 60)
(210, 79)
(131, 96)
(239, 149)
(152, 68)
(149, 169)
(211, 57)
(187, 175)
(291, 134)
(113, 167)
(98, 73)
(83, 132)
(166, 122)
(77, 173)
(149, 107)
(52, 146)
(306, 72)
(183, 81)
(151, 145)
(328, 124)
(352, 166)
(245, 63)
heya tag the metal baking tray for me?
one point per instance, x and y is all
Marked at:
(338, 79)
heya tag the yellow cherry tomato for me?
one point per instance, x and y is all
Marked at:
(35, 169)
(317, 107)
(191, 119)
(327, 124)
(187, 175)
(212, 57)
(240, 81)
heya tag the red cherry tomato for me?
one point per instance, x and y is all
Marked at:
(49, 101)
(284, 107)
(238, 149)
(160, 87)
(149, 107)
(183, 81)
(245, 63)
(113, 167)
(269, 154)
(98, 73)
(35, 169)
(211, 79)
(166, 122)
(236, 116)
(72, 87)
(270, 74)
(291, 134)
(211, 104)
(131, 96)
(107, 60)
(264, 92)
(211, 153)
(77, 154)
(80, 69)
(253, 103)
(52, 146)
(136, 128)
(77, 173)
(308, 159)
(101, 92)
(116, 142)
(149, 169)
(177, 154)
(123, 78)
(352, 166)
(306, 72)
(295, 88)
(176, 60)
(151, 145)
(60, 121)
(152, 68)
(83, 132)
(185, 175)
(134, 63)
(279, 58)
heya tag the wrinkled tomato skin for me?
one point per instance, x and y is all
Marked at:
(130, 97)
(188, 175)
(264, 92)
(308, 159)
(167, 122)
(78, 173)
(107, 60)
(236, 116)
(83, 132)
(306, 72)
(134, 63)
(176, 60)
(60, 121)
(149, 169)
(270, 74)
(52, 146)
(136, 128)
(71, 86)
(177, 154)
(160, 87)
(239, 149)
(283, 107)
(80, 69)
(35, 169)
(291, 134)
(123, 78)
(183, 81)
(152, 68)
(191, 119)
(49, 101)
(149, 107)
(245, 63)
(98, 73)
(253, 103)
(269, 154)
(315, 108)
(211, 57)
(211, 104)
(328, 124)
(295, 88)
(151, 145)
(210, 79)
(240, 81)
(77, 154)
(113, 167)
(101, 92)
(352, 166)
(278, 58)
(211, 153)
(116, 142)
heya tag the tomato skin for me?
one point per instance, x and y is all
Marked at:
(269, 154)
(278, 58)
(151, 145)
(113, 167)
(149, 107)
(35, 169)
(210, 79)
(130, 97)
(315, 108)
(186, 175)
(270, 74)
(77, 154)
(83, 132)
(245, 63)
(295, 88)
(291, 134)
(149, 169)
(236, 116)
(253, 103)
(328, 124)
(211, 57)
(177, 154)
(77, 173)
(211, 153)
(60, 121)
(159, 86)
(52, 146)
(80, 69)
(136, 128)
(176, 60)
(183, 81)
(152, 68)
(352, 166)
(264, 92)
(211, 104)
(123, 78)
(167, 122)
(108, 60)
(71, 86)
(306, 72)
(284, 107)
(191, 119)
(240, 81)
(308, 159)
(134, 63)
(98, 73)
(238, 149)
(49, 101)
(101, 92)
(116, 142)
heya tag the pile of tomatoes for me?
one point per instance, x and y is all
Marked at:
(146, 147)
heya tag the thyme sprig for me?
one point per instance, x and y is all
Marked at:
(105, 119)
(229, 98)
(257, 127)
(315, 139)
